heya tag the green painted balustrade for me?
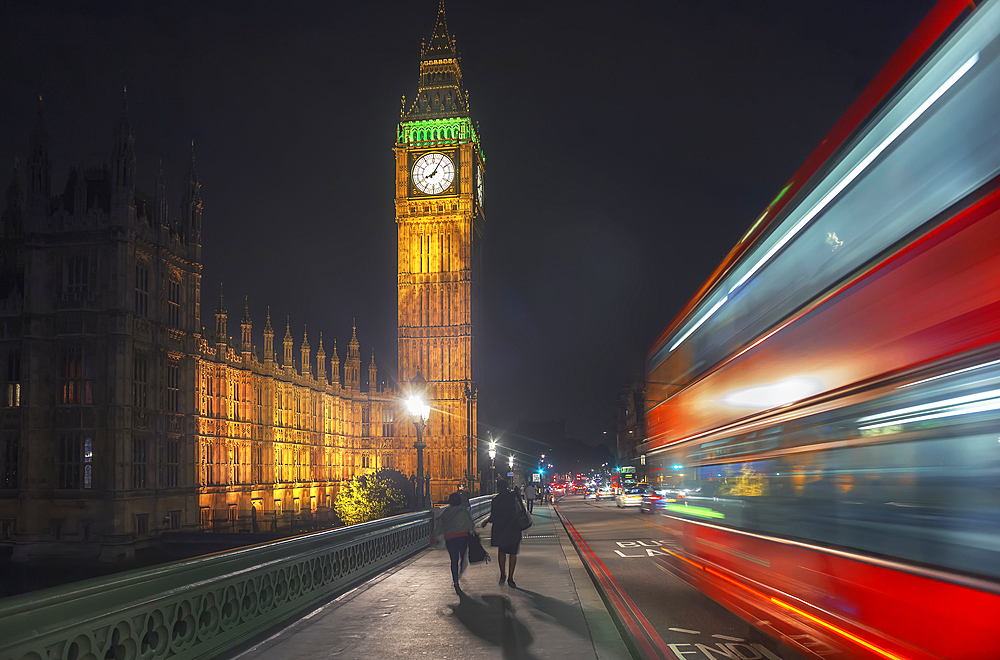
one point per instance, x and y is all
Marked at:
(198, 608)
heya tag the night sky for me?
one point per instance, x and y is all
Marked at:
(628, 147)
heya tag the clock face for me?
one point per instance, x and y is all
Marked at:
(479, 186)
(433, 173)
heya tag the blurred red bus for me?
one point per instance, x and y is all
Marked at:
(830, 399)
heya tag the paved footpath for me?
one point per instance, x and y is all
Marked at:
(412, 611)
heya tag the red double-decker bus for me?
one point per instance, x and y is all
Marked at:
(830, 398)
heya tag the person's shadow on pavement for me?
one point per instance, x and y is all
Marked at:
(567, 615)
(493, 619)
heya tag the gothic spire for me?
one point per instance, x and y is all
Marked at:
(439, 94)
(289, 361)
(160, 200)
(220, 319)
(39, 165)
(442, 44)
(268, 338)
(124, 155)
(191, 204)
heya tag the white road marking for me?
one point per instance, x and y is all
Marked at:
(684, 630)
(729, 639)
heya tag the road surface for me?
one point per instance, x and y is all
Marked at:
(668, 618)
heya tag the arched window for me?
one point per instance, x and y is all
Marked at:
(88, 460)
(435, 135)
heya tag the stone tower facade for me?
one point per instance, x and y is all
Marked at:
(123, 417)
(440, 223)
(99, 318)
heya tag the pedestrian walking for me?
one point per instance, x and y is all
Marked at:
(529, 495)
(506, 532)
(456, 525)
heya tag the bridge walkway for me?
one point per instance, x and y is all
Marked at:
(412, 610)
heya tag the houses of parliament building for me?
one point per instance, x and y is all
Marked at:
(126, 414)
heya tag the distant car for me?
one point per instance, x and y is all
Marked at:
(605, 493)
(591, 494)
(631, 496)
(655, 500)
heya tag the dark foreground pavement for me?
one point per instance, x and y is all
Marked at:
(413, 611)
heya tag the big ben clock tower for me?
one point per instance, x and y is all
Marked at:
(440, 222)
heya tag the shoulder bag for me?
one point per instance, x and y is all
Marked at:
(524, 520)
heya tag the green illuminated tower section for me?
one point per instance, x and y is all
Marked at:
(440, 223)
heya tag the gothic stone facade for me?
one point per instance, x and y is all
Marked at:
(440, 223)
(123, 417)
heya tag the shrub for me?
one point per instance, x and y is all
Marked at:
(370, 497)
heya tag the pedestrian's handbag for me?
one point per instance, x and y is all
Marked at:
(524, 520)
(477, 553)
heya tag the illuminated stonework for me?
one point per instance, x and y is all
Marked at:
(440, 241)
(278, 436)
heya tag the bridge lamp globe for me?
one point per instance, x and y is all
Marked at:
(417, 408)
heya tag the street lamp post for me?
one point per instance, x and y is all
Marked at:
(493, 468)
(420, 411)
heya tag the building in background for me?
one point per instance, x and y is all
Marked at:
(123, 416)
(440, 221)
(630, 428)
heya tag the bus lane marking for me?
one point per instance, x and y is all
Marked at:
(651, 548)
(723, 651)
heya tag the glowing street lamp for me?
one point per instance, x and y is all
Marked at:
(420, 411)
(493, 468)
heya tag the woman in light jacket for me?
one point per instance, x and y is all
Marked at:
(456, 525)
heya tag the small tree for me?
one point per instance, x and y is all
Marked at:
(369, 497)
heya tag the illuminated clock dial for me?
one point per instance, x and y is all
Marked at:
(433, 173)
(479, 185)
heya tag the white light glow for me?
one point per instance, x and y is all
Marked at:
(962, 405)
(417, 408)
(697, 325)
(950, 373)
(773, 394)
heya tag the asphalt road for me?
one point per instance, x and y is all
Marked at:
(680, 622)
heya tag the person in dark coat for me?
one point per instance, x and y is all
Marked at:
(506, 533)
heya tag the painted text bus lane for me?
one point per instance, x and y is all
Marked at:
(687, 643)
(639, 548)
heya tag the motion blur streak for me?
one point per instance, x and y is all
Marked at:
(963, 405)
(697, 325)
(832, 391)
(951, 373)
(839, 631)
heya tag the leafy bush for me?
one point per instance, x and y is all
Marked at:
(370, 497)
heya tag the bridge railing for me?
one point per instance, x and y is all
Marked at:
(197, 608)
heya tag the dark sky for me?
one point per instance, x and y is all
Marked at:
(628, 146)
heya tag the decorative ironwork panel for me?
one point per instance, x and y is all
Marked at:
(199, 607)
